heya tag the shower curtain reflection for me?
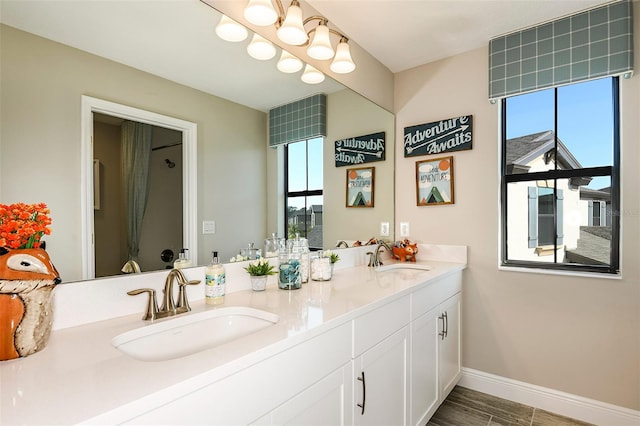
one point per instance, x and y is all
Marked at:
(136, 151)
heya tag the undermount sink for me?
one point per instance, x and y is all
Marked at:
(190, 334)
(403, 265)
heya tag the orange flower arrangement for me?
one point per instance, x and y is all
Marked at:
(22, 225)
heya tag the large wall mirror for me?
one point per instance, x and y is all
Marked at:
(166, 59)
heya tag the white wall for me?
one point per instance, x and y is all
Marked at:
(42, 84)
(574, 334)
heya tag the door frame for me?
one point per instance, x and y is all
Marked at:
(189, 172)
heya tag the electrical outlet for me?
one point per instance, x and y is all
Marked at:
(208, 226)
(384, 229)
(404, 229)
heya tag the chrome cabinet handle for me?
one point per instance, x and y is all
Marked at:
(364, 393)
(446, 324)
(443, 333)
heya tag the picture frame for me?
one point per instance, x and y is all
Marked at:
(434, 181)
(360, 187)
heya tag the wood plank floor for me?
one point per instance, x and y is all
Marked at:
(465, 407)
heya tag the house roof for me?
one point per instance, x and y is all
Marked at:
(524, 149)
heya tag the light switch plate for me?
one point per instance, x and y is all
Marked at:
(404, 229)
(208, 226)
(384, 229)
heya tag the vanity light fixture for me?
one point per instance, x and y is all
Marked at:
(291, 30)
(229, 30)
(289, 63)
(261, 48)
(342, 62)
(320, 47)
(261, 13)
(312, 75)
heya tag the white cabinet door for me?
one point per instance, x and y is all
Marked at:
(380, 384)
(423, 374)
(449, 342)
(327, 402)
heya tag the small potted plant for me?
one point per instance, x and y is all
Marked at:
(259, 270)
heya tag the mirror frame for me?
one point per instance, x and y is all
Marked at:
(189, 172)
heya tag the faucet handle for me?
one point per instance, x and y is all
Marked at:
(183, 303)
(371, 257)
(152, 305)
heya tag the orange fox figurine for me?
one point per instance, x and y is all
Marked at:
(405, 251)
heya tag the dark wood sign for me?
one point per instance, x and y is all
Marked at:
(453, 134)
(360, 150)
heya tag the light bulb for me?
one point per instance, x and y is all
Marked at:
(312, 75)
(229, 30)
(289, 63)
(342, 62)
(261, 13)
(261, 48)
(320, 47)
(292, 29)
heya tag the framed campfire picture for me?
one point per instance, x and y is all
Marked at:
(360, 183)
(434, 181)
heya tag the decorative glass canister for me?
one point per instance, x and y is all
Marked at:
(289, 277)
(321, 268)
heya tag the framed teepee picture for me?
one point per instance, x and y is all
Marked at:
(360, 183)
(434, 181)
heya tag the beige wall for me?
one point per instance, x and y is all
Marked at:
(340, 222)
(42, 84)
(573, 334)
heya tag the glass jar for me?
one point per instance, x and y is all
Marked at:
(289, 277)
(271, 246)
(321, 268)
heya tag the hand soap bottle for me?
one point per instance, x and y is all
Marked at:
(215, 281)
(182, 261)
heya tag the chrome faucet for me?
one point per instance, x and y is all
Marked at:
(169, 307)
(374, 257)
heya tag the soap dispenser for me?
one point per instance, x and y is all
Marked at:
(183, 260)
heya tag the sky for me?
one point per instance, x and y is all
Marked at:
(585, 117)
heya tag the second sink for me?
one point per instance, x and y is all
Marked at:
(190, 334)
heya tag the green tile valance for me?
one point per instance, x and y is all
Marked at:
(299, 120)
(591, 44)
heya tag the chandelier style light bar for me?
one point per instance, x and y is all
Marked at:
(260, 48)
(291, 30)
(230, 30)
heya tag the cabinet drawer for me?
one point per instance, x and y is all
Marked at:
(373, 327)
(433, 294)
(251, 393)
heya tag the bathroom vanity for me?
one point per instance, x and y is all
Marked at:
(370, 346)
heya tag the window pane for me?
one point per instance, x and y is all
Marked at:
(583, 215)
(585, 122)
(304, 217)
(297, 157)
(530, 137)
(315, 163)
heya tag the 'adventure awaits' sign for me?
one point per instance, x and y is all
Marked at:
(453, 134)
(360, 150)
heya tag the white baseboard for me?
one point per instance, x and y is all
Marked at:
(565, 404)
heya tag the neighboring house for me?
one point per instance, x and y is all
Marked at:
(311, 219)
(579, 207)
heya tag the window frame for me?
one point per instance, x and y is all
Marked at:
(298, 194)
(612, 171)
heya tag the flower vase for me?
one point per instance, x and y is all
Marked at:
(258, 282)
(27, 279)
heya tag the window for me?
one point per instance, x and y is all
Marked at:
(303, 189)
(560, 178)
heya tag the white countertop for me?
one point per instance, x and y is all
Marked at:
(81, 377)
